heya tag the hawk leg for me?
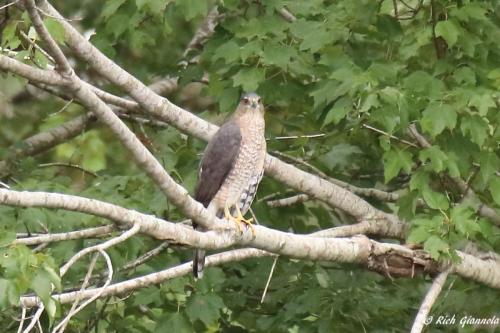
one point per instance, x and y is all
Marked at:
(238, 219)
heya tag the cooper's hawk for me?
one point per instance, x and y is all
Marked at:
(232, 167)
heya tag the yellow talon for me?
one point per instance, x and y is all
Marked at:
(239, 219)
(229, 217)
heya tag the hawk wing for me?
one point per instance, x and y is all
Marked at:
(218, 160)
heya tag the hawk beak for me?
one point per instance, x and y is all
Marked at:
(254, 105)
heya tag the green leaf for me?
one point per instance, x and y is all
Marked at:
(277, 55)
(482, 103)
(156, 6)
(9, 293)
(6, 237)
(40, 59)
(248, 78)
(42, 285)
(9, 35)
(476, 128)
(53, 276)
(229, 51)
(418, 235)
(173, 322)
(338, 111)
(490, 163)
(110, 7)
(449, 31)
(313, 34)
(420, 180)
(204, 307)
(434, 199)
(55, 29)
(394, 161)
(192, 8)
(438, 117)
(435, 155)
(436, 246)
(495, 189)
(322, 277)
(462, 218)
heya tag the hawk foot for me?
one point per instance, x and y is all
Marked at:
(239, 219)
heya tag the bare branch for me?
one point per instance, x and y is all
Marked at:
(367, 192)
(31, 73)
(204, 32)
(9, 4)
(376, 130)
(48, 238)
(429, 300)
(23, 316)
(68, 165)
(150, 279)
(414, 262)
(285, 13)
(98, 294)
(62, 64)
(145, 257)
(296, 199)
(46, 140)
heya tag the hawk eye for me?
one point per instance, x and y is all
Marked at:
(258, 101)
(245, 100)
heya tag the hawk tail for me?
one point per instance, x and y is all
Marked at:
(198, 263)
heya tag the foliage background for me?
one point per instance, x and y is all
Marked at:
(341, 65)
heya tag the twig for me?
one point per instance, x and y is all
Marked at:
(285, 13)
(150, 279)
(112, 242)
(62, 63)
(204, 32)
(68, 165)
(368, 192)
(296, 199)
(145, 257)
(48, 238)
(9, 4)
(429, 300)
(371, 128)
(395, 5)
(309, 136)
(36, 46)
(90, 269)
(21, 323)
(35, 318)
(269, 279)
(63, 323)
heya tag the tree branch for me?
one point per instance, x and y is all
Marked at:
(62, 64)
(397, 260)
(49, 238)
(429, 300)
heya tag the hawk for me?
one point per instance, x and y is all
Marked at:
(232, 167)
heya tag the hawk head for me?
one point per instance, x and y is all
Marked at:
(251, 102)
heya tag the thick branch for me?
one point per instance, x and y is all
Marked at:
(31, 73)
(391, 259)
